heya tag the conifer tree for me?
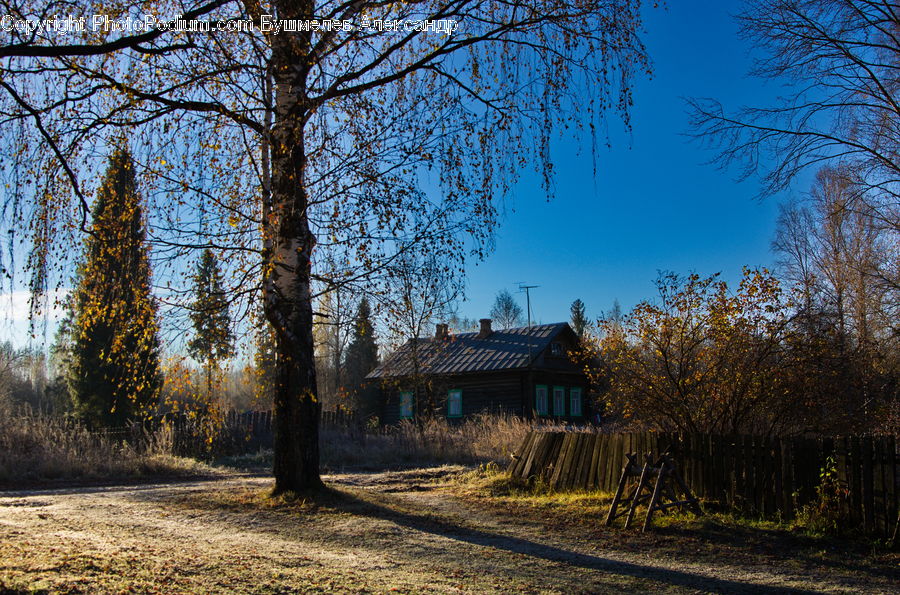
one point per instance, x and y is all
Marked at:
(264, 377)
(579, 318)
(362, 354)
(213, 340)
(114, 374)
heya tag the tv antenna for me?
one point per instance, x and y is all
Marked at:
(526, 288)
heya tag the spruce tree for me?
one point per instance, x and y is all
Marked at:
(264, 364)
(579, 318)
(362, 354)
(114, 374)
(213, 340)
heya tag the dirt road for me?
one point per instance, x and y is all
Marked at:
(375, 533)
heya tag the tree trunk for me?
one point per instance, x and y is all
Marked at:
(287, 255)
(209, 372)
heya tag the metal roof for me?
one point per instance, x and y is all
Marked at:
(508, 349)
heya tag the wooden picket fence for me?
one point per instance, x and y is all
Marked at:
(262, 420)
(755, 474)
(340, 418)
(243, 432)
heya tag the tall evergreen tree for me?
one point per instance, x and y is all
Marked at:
(579, 318)
(114, 374)
(615, 314)
(362, 354)
(264, 364)
(213, 340)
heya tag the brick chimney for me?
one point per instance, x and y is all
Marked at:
(440, 331)
(485, 328)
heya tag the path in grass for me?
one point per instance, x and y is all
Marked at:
(373, 533)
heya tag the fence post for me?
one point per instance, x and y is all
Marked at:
(868, 497)
(778, 476)
(891, 500)
(879, 488)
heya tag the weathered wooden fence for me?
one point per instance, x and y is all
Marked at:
(761, 475)
(241, 432)
(341, 418)
(254, 426)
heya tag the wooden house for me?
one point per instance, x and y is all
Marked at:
(524, 371)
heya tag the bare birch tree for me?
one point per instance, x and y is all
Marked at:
(275, 146)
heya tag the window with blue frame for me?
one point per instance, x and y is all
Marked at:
(454, 403)
(559, 401)
(406, 404)
(540, 400)
(575, 402)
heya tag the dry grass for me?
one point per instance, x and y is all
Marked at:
(36, 447)
(231, 537)
(489, 483)
(494, 488)
(481, 439)
(412, 531)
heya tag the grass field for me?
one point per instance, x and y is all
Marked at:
(445, 529)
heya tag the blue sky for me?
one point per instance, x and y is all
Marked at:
(656, 203)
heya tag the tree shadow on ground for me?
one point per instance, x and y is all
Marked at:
(838, 554)
(350, 503)
(69, 487)
(357, 501)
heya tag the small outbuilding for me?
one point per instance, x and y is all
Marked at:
(524, 371)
